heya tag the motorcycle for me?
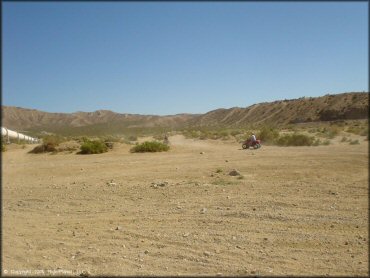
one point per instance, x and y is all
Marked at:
(249, 143)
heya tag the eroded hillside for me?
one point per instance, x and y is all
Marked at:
(327, 108)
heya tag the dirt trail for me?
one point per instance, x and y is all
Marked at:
(295, 211)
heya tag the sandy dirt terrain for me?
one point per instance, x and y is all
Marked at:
(294, 211)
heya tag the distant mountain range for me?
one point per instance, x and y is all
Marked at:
(344, 106)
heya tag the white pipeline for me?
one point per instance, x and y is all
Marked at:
(7, 133)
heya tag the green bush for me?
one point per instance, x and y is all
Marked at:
(295, 139)
(93, 147)
(268, 135)
(150, 146)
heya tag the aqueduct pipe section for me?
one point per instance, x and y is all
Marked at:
(7, 133)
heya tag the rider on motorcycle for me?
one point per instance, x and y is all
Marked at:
(253, 138)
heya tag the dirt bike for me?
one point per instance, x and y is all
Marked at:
(249, 143)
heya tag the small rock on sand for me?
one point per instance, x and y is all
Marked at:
(234, 172)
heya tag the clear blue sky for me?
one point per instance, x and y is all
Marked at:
(182, 57)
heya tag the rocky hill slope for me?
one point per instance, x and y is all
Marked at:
(326, 108)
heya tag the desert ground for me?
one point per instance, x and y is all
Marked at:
(293, 211)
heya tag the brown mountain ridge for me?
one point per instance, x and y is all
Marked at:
(345, 106)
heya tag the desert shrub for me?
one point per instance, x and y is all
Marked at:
(364, 132)
(354, 142)
(80, 139)
(268, 135)
(191, 134)
(344, 139)
(150, 146)
(158, 137)
(3, 148)
(115, 139)
(93, 147)
(235, 132)
(316, 142)
(44, 148)
(239, 138)
(295, 139)
(69, 146)
(219, 170)
(132, 138)
(358, 130)
(53, 140)
(332, 132)
(242, 137)
(326, 142)
(329, 132)
(49, 144)
(223, 134)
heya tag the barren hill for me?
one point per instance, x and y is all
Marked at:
(325, 108)
(22, 119)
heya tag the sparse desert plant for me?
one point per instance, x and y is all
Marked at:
(364, 132)
(49, 144)
(354, 142)
(221, 181)
(115, 139)
(316, 142)
(219, 170)
(93, 147)
(3, 148)
(54, 140)
(329, 132)
(268, 135)
(344, 139)
(326, 142)
(295, 139)
(150, 146)
(159, 137)
(358, 129)
(132, 138)
(44, 148)
(224, 134)
(191, 134)
(80, 139)
(235, 132)
(69, 146)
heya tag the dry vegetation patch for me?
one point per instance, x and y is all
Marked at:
(150, 146)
